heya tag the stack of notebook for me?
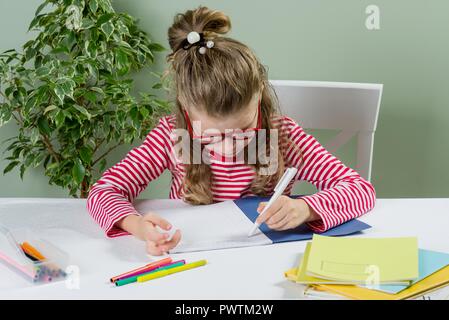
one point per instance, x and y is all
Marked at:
(370, 268)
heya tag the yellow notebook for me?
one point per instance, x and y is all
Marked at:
(290, 274)
(364, 260)
(433, 282)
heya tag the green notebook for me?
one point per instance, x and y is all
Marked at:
(364, 260)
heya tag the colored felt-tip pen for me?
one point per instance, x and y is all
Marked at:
(133, 279)
(163, 273)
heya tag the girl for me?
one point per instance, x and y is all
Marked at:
(222, 88)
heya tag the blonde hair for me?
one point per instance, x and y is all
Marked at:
(220, 82)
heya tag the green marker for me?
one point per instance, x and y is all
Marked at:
(133, 279)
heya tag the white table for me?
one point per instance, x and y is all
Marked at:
(244, 273)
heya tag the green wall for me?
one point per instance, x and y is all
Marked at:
(315, 40)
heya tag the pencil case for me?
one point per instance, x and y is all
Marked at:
(31, 257)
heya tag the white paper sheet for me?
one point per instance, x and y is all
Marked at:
(209, 227)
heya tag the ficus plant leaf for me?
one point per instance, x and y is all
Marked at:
(69, 91)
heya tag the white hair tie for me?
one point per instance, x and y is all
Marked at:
(197, 39)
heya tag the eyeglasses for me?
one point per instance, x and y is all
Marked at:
(215, 137)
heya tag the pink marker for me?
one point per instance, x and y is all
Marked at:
(151, 269)
(17, 266)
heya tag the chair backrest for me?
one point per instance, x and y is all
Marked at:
(350, 108)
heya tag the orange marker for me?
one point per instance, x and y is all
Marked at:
(32, 251)
(147, 267)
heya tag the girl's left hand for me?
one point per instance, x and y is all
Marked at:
(286, 213)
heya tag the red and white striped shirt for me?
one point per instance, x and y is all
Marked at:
(342, 193)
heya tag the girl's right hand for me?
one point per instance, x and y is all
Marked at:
(144, 228)
(157, 242)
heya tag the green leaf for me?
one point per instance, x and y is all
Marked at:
(30, 53)
(43, 126)
(91, 49)
(22, 171)
(61, 49)
(38, 61)
(105, 5)
(29, 159)
(42, 6)
(144, 112)
(35, 135)
(28, 44)
(78, 171)
(35, 21)
(83, 111)
(134, 114)
(59, 91)
(11, 166)
(93, 5)
(87, 23)
(12, 145)
(122, 28)
(53, 165)
(42, 71)
(75, 134)
(104, 18)
(30, 104)
(47, 158)
(49, 108)
(156, 47)
(86, 154)
(108, 29)
(91, 96)
(37, 161)
(8, 51)
(161, 103)
(64, 87)
(59, 118)
(121, 57)
(97, 90)
(67, 114)
(102, 164)
(9, 90)
(5, 116)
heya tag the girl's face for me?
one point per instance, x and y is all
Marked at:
(203, 125)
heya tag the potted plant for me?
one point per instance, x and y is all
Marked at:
(69, 91)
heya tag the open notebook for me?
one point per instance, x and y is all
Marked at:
(226, 225)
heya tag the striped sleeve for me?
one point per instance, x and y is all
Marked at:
(110, 198)
(342, 193)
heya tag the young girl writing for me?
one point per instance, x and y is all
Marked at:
(222, 97)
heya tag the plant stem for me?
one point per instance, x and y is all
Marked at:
(97, 145)
(104, 154)
(50, 148)
(17, 119)
(84, 189)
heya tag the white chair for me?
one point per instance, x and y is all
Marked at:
(350, 108)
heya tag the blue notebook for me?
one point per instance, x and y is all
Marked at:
(429, 262)
(249, 208)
